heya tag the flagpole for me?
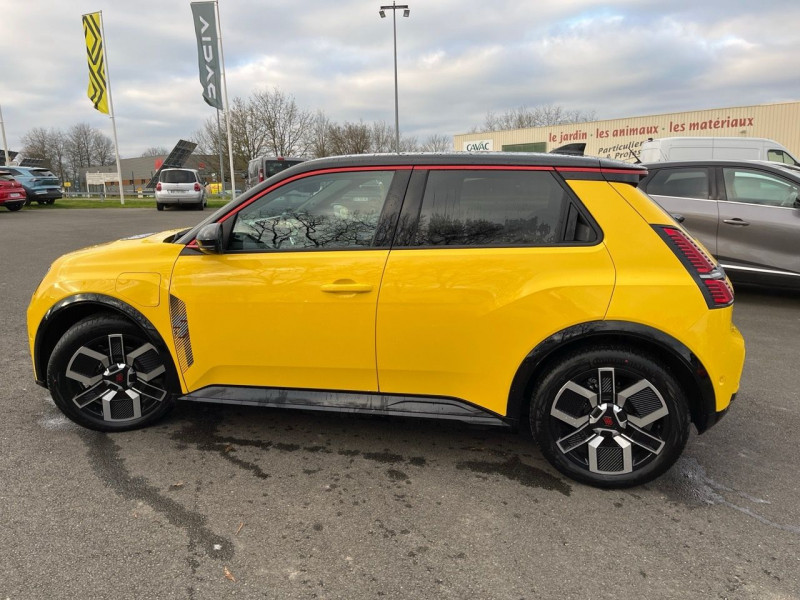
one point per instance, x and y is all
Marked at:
(111, 106)
(5, 144)
(219, 149)
(227, 108)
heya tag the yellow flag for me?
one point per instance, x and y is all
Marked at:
(97, 91)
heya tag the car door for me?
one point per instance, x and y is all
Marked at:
(291, 301)
(688, 192)
(759, 221)
(477, 271)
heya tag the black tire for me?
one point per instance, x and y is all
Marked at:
(630, 433)
(41, 202)
(105, 374)
(159, 206)
(14, 207)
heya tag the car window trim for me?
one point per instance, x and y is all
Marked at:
(412, 207)
(759, 170)
(390, 210)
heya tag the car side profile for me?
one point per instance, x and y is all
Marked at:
(180, 187)
(746, 213)
(41, 185)
(12, 194)
(540, 291)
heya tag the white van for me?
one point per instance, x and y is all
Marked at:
(715, 148)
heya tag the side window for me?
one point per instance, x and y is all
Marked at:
(781, 157)
(490, 208)
(681, 183)
(329, 211)
(757, 187)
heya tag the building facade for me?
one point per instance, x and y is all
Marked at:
(621, 139)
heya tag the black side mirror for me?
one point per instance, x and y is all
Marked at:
(209, 238)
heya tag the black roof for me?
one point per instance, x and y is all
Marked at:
(464, 158)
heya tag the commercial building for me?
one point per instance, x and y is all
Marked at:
(622, 138)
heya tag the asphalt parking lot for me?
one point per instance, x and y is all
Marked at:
(255, 503)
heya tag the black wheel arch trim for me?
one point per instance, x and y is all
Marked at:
(53, 324)
(691, 372)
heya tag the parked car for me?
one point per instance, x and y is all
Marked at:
(262, 168)
(180, 186)
(40, 184)
(715, 148)
(745, 212)
(12, 194)
(507, 289)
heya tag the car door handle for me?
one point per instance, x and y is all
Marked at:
(739, 222)
(346, 287)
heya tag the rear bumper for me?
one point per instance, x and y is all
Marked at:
(45, 194)
(179, 199)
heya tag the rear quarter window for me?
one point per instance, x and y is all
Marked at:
(491, 208)
(681, 183)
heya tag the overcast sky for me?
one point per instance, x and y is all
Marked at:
(457, 59)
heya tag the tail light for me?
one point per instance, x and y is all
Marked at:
(158, 186)
(709, 276)
(196, 187)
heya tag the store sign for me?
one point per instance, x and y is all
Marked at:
(479, 146)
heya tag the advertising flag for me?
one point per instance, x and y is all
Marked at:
(205, 26)
(97, 92)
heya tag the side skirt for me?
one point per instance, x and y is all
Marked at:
(348, 402)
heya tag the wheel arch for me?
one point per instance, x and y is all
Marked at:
(69, 311)
(681, 361)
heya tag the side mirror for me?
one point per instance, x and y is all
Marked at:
(677, 217)
(209, 238)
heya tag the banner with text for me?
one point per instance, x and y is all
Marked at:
(205, 26)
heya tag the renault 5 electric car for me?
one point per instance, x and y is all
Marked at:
(500, 289)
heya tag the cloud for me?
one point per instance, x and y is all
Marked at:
(456, 60)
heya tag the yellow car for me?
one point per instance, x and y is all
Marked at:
(506, 289)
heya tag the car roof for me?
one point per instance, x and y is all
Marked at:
(463, 158)
(776, 167)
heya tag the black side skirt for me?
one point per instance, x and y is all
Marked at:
(349, 402)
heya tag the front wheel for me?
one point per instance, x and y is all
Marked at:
(610, 417)
(106, 375)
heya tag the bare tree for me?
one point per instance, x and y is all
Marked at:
(318, 136)
(155, 151)
(101, 149)
(349, 138)
(409, 143)
(285, 124)
(382, 137)
(437, 143)
(538, 116)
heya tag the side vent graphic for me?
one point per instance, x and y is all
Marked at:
(180, 332)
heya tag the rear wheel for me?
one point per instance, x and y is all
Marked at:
(159, 206)
(106, 375)
(14, 207)
(610, 417)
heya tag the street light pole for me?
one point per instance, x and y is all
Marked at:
(406, 12)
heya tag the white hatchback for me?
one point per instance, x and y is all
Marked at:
(180, 186)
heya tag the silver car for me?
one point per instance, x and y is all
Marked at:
(746, 213)
(180, 186)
